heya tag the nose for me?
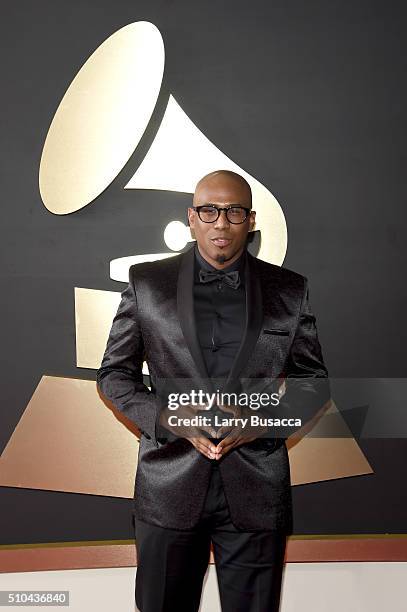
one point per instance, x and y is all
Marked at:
(222, 220)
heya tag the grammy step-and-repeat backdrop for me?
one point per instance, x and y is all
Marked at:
(111, 113)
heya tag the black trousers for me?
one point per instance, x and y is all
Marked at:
(172, 564)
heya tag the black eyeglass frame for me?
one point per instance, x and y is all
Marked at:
(219, 209)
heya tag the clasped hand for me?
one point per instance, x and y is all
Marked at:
(230, 436)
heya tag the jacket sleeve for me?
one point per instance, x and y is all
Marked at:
(120, 376)
(306, 377)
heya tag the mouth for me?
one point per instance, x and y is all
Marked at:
(221, 242)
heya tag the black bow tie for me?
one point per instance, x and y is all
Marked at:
(231, 278)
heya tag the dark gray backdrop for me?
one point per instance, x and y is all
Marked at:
(309, 97)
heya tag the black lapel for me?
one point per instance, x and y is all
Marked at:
(254, 319)
(185, 309)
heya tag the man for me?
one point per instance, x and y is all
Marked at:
(214, 315)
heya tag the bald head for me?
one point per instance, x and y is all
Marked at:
(221, 241)
(223, 186)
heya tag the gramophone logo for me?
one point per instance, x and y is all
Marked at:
(94, 133)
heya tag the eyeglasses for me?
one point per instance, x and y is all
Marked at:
(208, 213)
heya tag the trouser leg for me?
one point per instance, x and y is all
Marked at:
(249, 565)
(249, 568)
(171, 566)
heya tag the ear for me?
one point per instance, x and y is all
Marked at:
(252, 220)
(191, 217)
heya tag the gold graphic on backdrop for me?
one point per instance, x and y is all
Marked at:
(101, 118)
(94, 312)
(68, 440)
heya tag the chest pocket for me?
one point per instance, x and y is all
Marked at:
(270, 353)
(276, 332)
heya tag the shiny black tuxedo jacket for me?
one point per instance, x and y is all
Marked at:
(155, 322)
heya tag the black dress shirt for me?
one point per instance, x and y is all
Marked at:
(220, 315)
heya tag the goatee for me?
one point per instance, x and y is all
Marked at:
(221, 259)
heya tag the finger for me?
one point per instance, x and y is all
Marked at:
(226, 449)
(204, 451)
(206, 444)
(201, 448)
(209, 448)
(227, 443)
(210, 454)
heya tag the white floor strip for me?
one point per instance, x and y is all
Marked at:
(307, 587)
